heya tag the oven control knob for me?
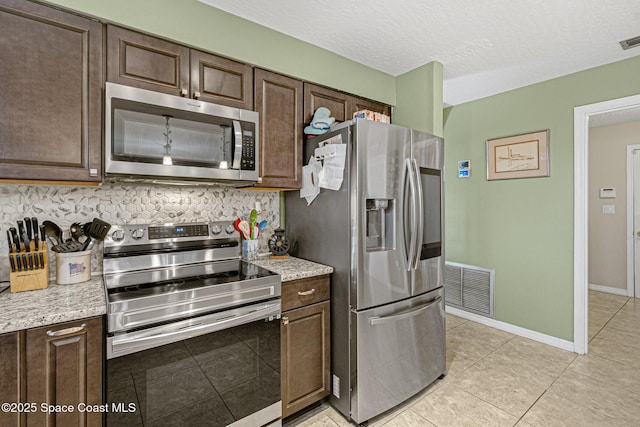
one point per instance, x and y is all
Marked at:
(117, 235)
(215, 230)
(230, 229)
(138, 233)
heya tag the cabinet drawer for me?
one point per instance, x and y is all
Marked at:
(298, 293)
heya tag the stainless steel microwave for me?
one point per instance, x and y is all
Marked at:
(155, 136)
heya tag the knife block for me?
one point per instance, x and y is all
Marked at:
(28, 280)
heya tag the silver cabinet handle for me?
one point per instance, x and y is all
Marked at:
(66, 331)
(196, 95)
(305, 293)
(184, 92)
(385, 319)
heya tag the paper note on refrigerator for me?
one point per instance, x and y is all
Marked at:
(310, 181)
(334, 157)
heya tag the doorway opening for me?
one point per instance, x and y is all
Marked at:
(581, 118)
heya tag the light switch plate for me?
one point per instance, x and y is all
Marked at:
(608, 209)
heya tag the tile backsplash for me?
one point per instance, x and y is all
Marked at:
(128, 204)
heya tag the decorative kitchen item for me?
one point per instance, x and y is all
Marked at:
(278, 244)
(73, 267)
(519, 156)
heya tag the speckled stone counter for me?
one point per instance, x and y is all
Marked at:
(64, 303)
(55, 304)
(293, 268)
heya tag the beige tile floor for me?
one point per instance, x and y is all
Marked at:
(499, 379)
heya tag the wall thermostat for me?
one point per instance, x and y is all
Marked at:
(464, 168)
(607, 193)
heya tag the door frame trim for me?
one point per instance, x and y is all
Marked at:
(630, 220)
(581, 116)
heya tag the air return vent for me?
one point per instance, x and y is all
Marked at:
(469, 288)
(629, 43)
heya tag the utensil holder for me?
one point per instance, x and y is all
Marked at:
(250, 250)
(27, 279)
(73, 267)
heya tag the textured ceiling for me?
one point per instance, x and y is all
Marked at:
(615, 117)
(486, 46)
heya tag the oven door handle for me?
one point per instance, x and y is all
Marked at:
(154, 337)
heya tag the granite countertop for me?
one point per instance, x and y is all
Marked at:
(63, 303)
(292, 268)
(55, 304)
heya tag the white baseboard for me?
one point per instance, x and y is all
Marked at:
(609, 290)
(516, 330)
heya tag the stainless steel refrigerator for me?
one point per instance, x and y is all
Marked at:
(382, 231)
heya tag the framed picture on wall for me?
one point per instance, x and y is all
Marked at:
(518, 156)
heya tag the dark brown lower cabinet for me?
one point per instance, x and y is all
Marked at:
(52, 375)
(305, 341)
(10, 386)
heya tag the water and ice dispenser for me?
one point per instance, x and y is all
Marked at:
(380, 224)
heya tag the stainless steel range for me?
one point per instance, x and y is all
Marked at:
(192, 330)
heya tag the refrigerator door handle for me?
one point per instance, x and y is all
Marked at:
(377, 320)
(420, 215)
(412, 218)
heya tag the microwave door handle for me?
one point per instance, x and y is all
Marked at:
(237, 145)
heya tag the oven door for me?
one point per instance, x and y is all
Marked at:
(223, 366)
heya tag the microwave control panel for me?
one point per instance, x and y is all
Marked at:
(248, 160)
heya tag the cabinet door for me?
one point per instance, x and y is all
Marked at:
(279, 102)
(220, 80)
(146, 62)
(358, 104)
(64, 367)
(305, 338)
(318, 96)
(51, 109)
(10, 377)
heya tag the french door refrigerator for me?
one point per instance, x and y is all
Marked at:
(382, 232)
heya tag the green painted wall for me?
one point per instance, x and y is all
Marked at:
(524, 228)
(196, 24)
(419, 99)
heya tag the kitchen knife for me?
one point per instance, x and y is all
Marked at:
(11, 261)
(27, 226)
(9, 240)
(41, 259)
(43, 237)
(21, 232)
(34, 224)
(30, 261)
(19, 262)
(24, 262)
(16, 240)
(25, 239)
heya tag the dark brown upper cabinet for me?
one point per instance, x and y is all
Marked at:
(148, 62)
(318, 96)
(342, 105)
(358, 104)
(279, 102)
(51, 103)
